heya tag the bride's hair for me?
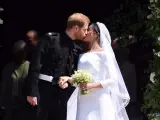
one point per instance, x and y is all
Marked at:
(96, 30)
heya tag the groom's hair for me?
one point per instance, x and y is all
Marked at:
(78, 19)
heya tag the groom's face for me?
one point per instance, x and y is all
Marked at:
(81, 32)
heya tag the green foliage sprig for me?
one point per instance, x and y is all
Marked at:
(151, 104)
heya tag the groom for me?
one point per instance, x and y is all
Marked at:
(56, 55)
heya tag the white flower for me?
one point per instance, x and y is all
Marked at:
(158, 38)
(153, 50)
(1, 9)
(49, 33)
(1, 21)
(158, 54)
(150, 16)
(152, 77)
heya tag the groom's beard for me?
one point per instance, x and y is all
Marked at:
(79, 36)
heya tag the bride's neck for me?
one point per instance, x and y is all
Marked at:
(94, 46)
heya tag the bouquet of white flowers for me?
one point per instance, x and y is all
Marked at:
(81, 76)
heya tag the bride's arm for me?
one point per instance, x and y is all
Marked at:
(101, 84)
(110, 74)
(90, 85)
(97, 85)
(109, 77)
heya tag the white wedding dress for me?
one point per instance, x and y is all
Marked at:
(97, 104)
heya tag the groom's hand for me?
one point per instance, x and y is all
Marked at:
(63, 82)
(32, 100)
(64, 86)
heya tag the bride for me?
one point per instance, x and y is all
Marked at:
(108, 95)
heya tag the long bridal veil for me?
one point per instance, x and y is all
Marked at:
(118, 92)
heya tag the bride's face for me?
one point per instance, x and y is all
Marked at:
(91, 34)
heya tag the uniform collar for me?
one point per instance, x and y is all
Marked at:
(66, 40)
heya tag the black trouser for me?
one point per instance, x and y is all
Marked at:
(32, 112)
(2, 113)
(21, 110)
(53, 101)
(16, 113)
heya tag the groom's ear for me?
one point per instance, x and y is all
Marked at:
(76, 28)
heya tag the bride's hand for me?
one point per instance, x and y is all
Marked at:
(86, 86)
